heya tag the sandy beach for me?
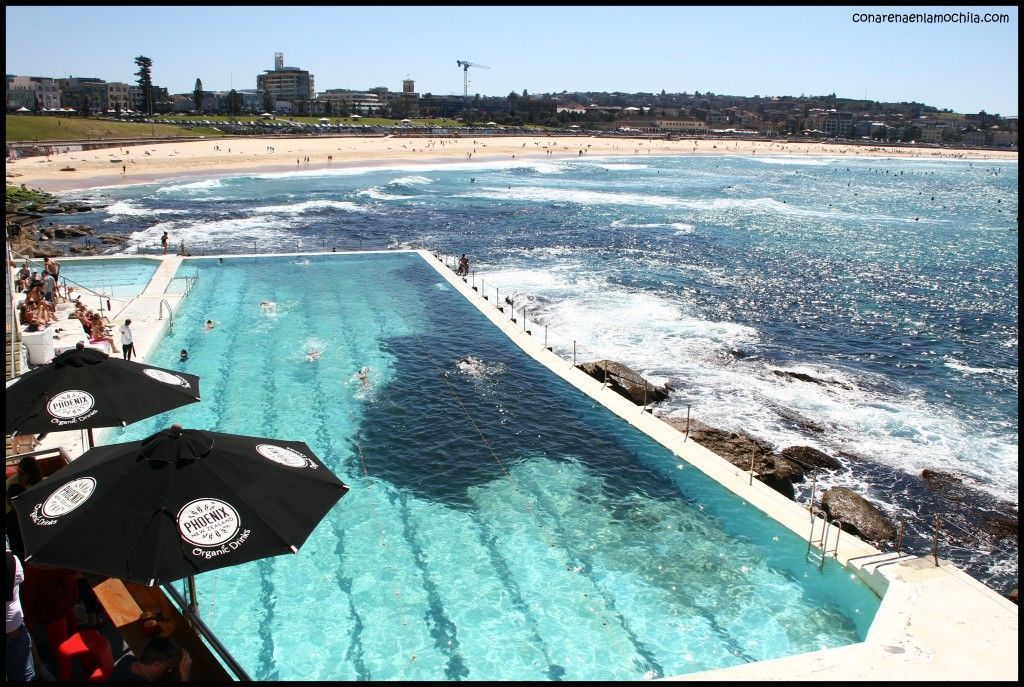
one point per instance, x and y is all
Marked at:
(155, 161)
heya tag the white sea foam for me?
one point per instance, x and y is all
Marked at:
(191, 188)
(960, 366)
(566, 195)
(797, 160)
(376, 193)
(662, 337)
(414, 180)
(264, 228)
(681, 228)
(126, 207)
(616, 166)
(412, 167)
(312, 206)
(542, 167)
(714, 205)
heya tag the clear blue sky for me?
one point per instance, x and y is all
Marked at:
(731, 50)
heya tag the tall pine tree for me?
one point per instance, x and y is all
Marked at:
(197, 96)
(145, 75)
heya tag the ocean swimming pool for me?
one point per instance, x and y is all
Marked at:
(501, 525)
(120, 278)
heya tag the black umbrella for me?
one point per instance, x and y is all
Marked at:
(176, 504)
(84, 388)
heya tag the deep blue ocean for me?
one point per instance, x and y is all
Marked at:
(890, 286)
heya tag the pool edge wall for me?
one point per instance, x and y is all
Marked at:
(934, 622)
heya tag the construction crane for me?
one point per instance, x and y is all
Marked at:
(465, 74)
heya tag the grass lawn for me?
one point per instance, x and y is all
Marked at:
(42, 128)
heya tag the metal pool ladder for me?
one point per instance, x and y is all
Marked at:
(170, 313)
(818, 546)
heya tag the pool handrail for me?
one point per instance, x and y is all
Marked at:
(170, 313)
(191, 617)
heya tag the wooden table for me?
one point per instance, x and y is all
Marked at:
(125, 602)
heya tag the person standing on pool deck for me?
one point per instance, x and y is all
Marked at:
(127, 345)
(163, 242)
(18, 649)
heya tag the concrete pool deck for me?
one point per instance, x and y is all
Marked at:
(934, 622)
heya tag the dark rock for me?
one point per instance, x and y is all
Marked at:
(811, 458)
(799, 421)
(72, 231)
(780, 484)
(858, 515)
(999, 525)
(977, 514)
(625, 381)
(43, 251)
(939, 481)
(785, 468)
(774, 470)
(86, 249)
(804, 377)
(735, 447)
(113, 238)
(48, 209)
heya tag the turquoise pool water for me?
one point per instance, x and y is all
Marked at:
(123, 278)
(500, 524)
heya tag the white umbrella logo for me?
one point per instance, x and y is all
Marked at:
(70, 404)
(208, 522)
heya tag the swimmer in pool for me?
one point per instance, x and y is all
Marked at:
(313, 354)
(469, 365)
(183, 356)
(210, 324)
(364, 376)
(269, 306)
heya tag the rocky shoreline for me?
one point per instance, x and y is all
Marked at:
(27, 209)
(971, 515)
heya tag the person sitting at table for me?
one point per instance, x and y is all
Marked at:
(27, 475)
(161, 660)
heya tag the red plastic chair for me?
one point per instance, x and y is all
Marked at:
(92, 649)
(57, 632)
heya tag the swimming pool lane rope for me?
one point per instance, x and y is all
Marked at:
(615, 639)
(370, 484)
(383, 546)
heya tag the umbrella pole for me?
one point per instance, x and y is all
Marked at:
(92, 442)
(193, 607)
